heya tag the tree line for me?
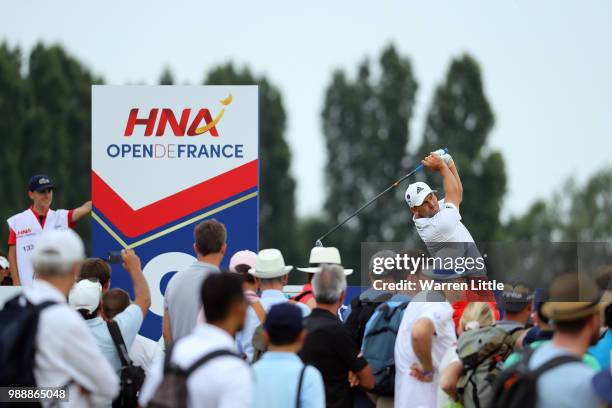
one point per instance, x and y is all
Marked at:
(45, 123)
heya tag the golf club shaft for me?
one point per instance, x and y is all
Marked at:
(418, 168)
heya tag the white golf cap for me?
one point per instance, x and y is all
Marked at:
(416, 193)
(323, 255)
(85, 294)
(270, 264)
(58, 247)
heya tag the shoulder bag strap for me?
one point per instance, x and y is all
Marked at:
(115, 333)
(299, 390)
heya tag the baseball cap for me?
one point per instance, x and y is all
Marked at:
(40, 182)
(284, 320)
(245, 257)
(416, 193)
(58, 247)
(515, 298)
(85, 294)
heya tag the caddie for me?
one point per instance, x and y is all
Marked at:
(25, 227)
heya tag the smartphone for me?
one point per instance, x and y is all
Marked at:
(114, 257)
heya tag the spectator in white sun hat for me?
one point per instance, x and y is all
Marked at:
(318, 256)
(271, 275)
(65, 347)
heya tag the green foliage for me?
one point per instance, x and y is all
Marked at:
(588, 217)
(166, 77)
(538, 224)
(460, 118)
(366, 127)
(277, 186)
(573, 214)
(46, 127)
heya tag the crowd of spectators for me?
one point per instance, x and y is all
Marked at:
(234, 338)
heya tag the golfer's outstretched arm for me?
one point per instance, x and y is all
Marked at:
(452, 193)
(453, 169)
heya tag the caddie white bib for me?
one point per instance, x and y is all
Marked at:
(27, 229)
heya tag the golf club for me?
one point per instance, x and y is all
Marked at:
(319, 242)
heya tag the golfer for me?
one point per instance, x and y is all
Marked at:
(438, 222)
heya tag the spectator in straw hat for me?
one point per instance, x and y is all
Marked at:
(271, 275)
(574, 310)
(318, 257)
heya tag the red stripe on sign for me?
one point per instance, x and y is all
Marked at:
(133, 223)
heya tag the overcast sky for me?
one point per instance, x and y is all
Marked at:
(546, 65)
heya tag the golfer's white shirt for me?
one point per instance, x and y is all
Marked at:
(445, 226)
(410, 392)
(223, 382)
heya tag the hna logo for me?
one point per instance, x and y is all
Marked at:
(24, 232)
(179, 128)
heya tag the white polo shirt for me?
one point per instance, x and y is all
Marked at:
(67, 352)
(445, 226)
(410, 392)
(223, 382)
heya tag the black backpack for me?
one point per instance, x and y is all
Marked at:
(361, 311)
(19, 324)
(172, 392)
(131, 377)
(516, 387)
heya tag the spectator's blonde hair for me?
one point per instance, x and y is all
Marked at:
(480, 312)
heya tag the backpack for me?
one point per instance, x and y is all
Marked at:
(19, 319)
(361, 311)
(379, 345)
(258, 340)
(516, 387)
(172, 392)
(482, 353)
(131, 377)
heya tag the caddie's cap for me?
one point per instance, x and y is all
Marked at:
(40, 182)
